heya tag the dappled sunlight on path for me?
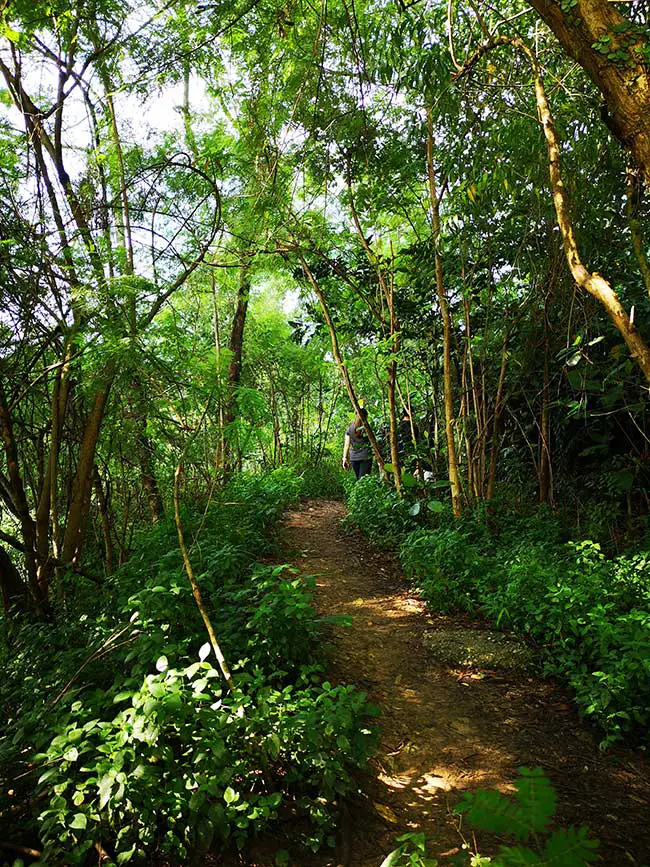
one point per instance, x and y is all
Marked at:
(445, 730)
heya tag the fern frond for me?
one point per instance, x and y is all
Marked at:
(491, 811)
(570, 847)
(518, 856)
(537, 799)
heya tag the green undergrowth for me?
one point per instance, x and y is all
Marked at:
(589, 614)
(326, 481)
(118, 728)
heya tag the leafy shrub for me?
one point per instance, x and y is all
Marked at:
(327, 481)
(445, 565)
(412, 852)
(184, 764)
(525, 817)
(378, 511)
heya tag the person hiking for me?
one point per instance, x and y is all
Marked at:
(356, 448)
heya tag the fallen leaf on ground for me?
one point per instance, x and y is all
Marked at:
(386, 813)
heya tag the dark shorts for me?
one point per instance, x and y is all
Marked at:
(361, 468)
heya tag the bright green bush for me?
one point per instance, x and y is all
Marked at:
(119, 728)
(445, 564)
(184, 764)
(379, 512)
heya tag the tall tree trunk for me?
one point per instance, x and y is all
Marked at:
(13, 588)
(624, 85)
(391, 384)
(634, 192)
(149, 481)
(75, 530)
(220, 454)
(544, 465)
(387, 293)
(452, 461)
(236, 346)
(19, 497)
(496, 422)
(105, 517)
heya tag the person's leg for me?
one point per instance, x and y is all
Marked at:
(364, 468)
(356, 466)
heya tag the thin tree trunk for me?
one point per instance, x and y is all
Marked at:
(391, 383)
(221, 442)
(341, 364)
(236, 347)
(634, 189)
(19, 498)
(452, 461)
(81, 487)
(496, 423)
(105, 517)
(196, 590)
(544, 465)
(387, 289)
(593, 283)
(13, 588)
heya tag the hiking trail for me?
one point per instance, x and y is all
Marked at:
(445, 729)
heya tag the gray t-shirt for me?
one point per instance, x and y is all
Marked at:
(359, 446)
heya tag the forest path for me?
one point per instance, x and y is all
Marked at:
(444, 731)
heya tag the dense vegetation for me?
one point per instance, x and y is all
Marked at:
(225, 226)
(134, 741)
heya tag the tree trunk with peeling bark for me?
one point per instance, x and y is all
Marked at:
(624, 84)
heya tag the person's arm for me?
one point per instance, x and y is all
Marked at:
(346, 452)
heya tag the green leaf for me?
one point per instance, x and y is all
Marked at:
(571, 847)
(11, 34)
(79, 821)
(519, 856)
(230, 796)
(156, 689)
(393, 859)
(105, 786)
(435, 506)
(273, 745)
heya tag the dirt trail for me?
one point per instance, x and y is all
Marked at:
(444, 731)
